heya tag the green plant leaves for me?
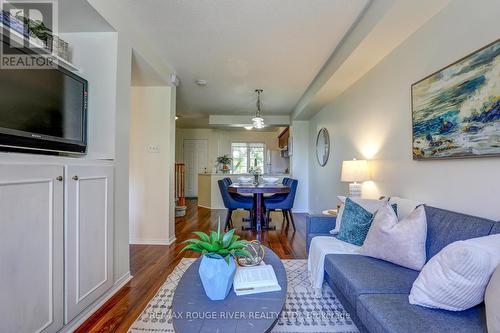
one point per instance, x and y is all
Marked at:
(238, 245)
(227, 238)
(192, 247)
(217, 245)
(204, 237)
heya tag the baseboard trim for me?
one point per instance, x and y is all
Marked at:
(151, 241)
(172, 240)
(82, 317)
(300, 211)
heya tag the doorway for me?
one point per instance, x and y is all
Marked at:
(196, 160)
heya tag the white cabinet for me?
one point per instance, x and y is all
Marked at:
(31, 248)
(88, 236)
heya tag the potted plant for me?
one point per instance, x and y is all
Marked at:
(224, 162)
(218, 266)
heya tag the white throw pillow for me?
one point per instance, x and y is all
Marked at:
(492, 302)
(405, 206)
(455, 279)
(371, 205)
(400, 242)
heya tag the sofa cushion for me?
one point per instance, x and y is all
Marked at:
(392, 313)
(445, 227)
(355, 275)
(496, 229)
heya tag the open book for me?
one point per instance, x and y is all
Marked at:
(254, 280)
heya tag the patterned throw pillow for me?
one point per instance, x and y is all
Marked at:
(356, 222)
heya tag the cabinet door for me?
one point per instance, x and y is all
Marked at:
(31, 248)
(89, 236)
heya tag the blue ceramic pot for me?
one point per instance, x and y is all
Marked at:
(217, 276)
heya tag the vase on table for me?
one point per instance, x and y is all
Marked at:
(256, 179)
(217, 276)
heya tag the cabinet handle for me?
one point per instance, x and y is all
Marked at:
(75, 177)
(60, 178)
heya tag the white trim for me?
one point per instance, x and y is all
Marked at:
(151, 241)
(301, 211)
(85, 314)
(172, 240)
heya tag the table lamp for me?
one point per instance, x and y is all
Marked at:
(354, 171)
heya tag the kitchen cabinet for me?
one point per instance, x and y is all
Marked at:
(283, 138)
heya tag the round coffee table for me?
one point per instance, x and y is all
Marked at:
(193, 311)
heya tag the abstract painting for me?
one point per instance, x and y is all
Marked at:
(456, 111)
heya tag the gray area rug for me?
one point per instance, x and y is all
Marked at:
(302, 313)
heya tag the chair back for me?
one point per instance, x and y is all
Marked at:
(287, 203)
(228, 181)
(286, 181)
(227, 198)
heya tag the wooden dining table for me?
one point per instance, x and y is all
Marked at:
(258, 192)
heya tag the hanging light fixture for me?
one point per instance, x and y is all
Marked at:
(258, 121)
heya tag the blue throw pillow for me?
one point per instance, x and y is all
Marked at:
(356, 222)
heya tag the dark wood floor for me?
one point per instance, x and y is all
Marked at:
(151, 264)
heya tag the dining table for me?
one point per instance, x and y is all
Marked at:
(258, 190)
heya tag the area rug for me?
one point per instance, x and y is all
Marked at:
(302, 313)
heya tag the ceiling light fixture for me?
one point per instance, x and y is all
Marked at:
(258, 121)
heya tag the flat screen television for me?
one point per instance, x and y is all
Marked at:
(43, 110)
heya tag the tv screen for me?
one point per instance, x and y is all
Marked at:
(43, 109)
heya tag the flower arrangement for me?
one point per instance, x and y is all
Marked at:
(256, 171)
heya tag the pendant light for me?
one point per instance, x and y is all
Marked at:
(258, 121)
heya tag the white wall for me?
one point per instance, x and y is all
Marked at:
(122, 129)
(299, 164)
(151, 188)
(99, 68)
(219, 141)
(372, 119)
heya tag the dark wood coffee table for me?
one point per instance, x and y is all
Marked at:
(193, 311)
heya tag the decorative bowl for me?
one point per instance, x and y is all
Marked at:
(257, 252)
(245, 180)
(270, 180)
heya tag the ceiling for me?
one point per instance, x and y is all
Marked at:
(80, 16)
(238, 46)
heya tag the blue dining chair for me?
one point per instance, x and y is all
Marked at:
(232, 202)
(281, 196)
(285, 204)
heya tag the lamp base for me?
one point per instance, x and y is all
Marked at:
(355, 190)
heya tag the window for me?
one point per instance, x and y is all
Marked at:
(246, 155)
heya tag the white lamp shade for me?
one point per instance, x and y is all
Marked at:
(354, 171)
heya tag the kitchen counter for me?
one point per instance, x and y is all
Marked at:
(208, 189)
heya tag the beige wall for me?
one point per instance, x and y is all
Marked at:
(151, 188)
(219, 141)
(372, 119)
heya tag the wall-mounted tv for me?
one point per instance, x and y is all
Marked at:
(43, 109)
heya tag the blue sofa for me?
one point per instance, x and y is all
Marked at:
(375, 292)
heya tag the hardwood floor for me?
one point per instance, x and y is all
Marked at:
(151, 264)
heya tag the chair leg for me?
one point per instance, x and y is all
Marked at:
(285, 212)
(284, 215)
(228, 219)
(291, 218)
